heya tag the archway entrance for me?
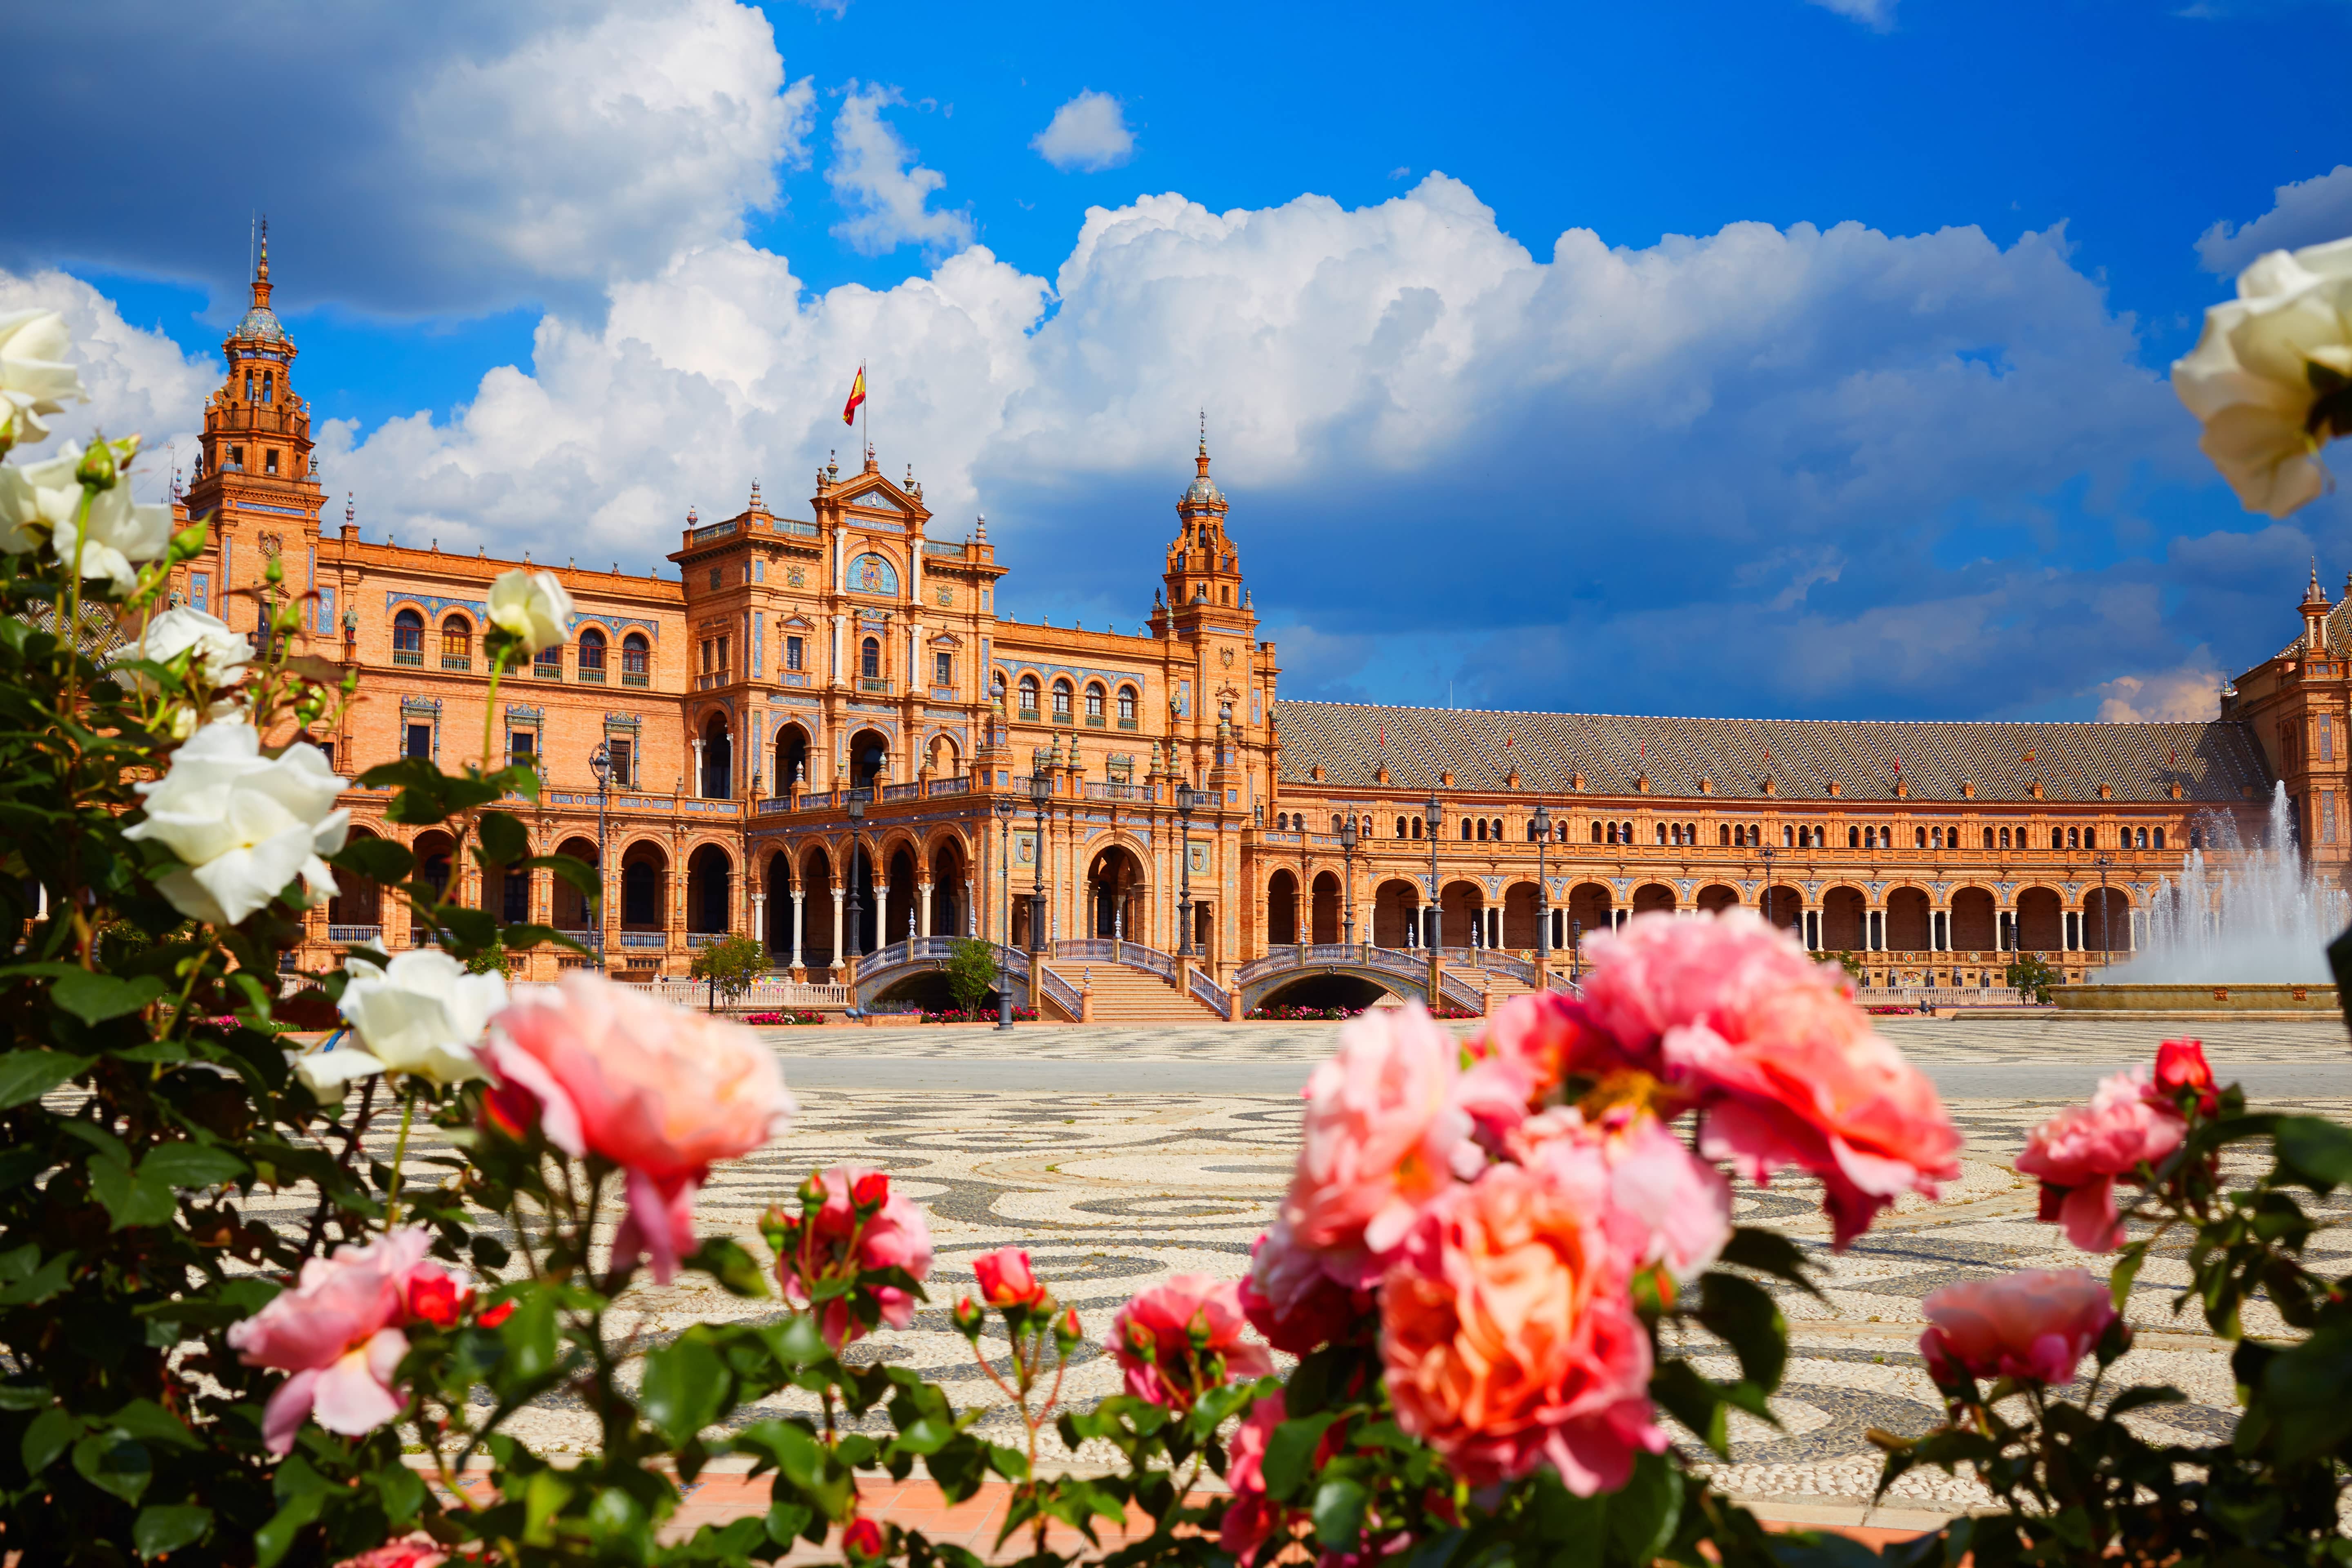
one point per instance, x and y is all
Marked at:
(1653, 899)
(1844, 922)
(575, 911)
(1462, 911)
(1906, 920)
(709, 891)
(358, 901)
(949, 913)
(869, 758)
(1519, 916)
(816, 910)
(1327, 924)
(645, 875)
(1972, 920)
(1114, 903)
(1282, 908)
(2106, 921)
(778, 937)
(1588, 910)
(792, 759)
(899, 917)
(1396, 914)
(717, 759)
(2040, 919)
(1715, 898)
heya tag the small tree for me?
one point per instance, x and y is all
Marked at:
(2031, 976)
(971, 971)
(1851, 963)
(732, 964)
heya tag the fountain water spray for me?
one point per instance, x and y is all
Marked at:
(2257, 918)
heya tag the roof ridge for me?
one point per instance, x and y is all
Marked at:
(1721, 718)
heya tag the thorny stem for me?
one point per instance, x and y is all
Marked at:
(399, 1152)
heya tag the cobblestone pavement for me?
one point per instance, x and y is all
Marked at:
(1112, 1191)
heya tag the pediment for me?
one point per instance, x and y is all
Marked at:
(947, 639)
(882, 496)
(798, 623)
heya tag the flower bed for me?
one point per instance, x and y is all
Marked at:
(1305, 1014)
(780, 1020)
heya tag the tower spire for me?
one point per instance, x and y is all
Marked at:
(261, 269)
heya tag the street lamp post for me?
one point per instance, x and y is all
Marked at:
(600, 763)
(1349, 837)
(1542, 825)
(1768, 852)
(1041, 790)
(1006, 808)
(856, 805)
(1185, 798)
(2106, 944)
(1434, 814)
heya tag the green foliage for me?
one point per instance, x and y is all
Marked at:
(734, 963)
(2032, 977)
(971, 972)
(1852, 965)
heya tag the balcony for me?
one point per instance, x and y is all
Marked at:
(716, 531)
(356, 933)
(881, 685)
(654, 939)
(1126, 723)
(1027, 715)
(788, 525)
(943, 693)
(794, 678)
(546, 671)
(408, 655)
(710, 680)
(592, 674)
(1097, 722)
(456, 661)
(633, 677)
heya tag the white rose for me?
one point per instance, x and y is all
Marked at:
(34, 377)
(219, 654)
(122, 534)
(423, 1014)
(38, 498)
(2271, 376)
(244, 825)
(532, 605)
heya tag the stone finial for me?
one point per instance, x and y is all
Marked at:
(1968, 789)
(2107, 791)
(1512, 780)
(1836, 789)
(1381, 775)
(1446, 778)
(1642, 783)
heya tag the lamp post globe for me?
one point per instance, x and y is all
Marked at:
(1041, 790)
(1541, 825)
(856, 807)
(1349, 838)
(1185, 799)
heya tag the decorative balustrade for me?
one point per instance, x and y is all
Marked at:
(356, 933)
(1119, 791)
(1065, 994)
(768, 995)
(903, 791)
(880, 685)
(643, 938)
(1212, 994)
(715, 530)
(695, 939)
(950, 787)
(792, 525)
(774, 804)
(1497, 963)
(584, 938)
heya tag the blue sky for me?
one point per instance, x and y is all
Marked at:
(1769, 357)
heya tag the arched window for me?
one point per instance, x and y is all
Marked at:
(457, 643)
(2143, 840)
(1989, 838)
(591, 655)
(1919, 838)
(1094, 704)
(1061, 700)
(2090, 839)
(1126, 707)
(2197, 839)
(547, 664)
(1723, 838)
(2073, 838)
(636, 659)
(268, 386)
(1466, 827)
(2004, 839)
(1690, 833)
(2159, 838)
(1401, 828)
(408, 637)
(869, 659)
(1416, 826)
(2057, 839)
(1029, 696)
(1334, 822)
(1596, 833)
(249, 387)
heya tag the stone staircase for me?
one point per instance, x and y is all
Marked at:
(1126, 995)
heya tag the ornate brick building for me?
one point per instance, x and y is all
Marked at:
(822, 732)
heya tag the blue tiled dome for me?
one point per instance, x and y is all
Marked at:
(260, 322)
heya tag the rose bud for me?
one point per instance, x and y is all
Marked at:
(862, 1537)
(1006, 1280)
(970, 1318)
(434, 1296)
(491, 1317)
(871, 1190)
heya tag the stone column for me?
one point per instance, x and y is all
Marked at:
(798, 896)
(697, 767)
(881, 915)
(923, 906)
(839, 956)
(760, 920)
(970, 910)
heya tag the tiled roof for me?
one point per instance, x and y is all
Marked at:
(2212, 761)
(2339, 628)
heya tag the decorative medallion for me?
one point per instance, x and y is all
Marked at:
(795, 577)
(946, 598)
(1225, 657)
(873, 574)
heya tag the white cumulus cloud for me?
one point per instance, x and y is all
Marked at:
(2188, 691)
(1089, 134)
(139, 381)
(2308, 212)
(1878, 15)
(875, 179)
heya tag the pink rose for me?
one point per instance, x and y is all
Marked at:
(417, 1550)
(1665, 1207)
(2181, 1064)
(1251, 1516)
(1785, 1068)
(2038, 1324)
(1290, 1299)
(2079, 1152)
(1554, 1036)
(1184, 1337)
(336, 1330)
(1382, 1135)
(1006, 1279)
(847, 1237)
(1507, 1336)
(609, 1071)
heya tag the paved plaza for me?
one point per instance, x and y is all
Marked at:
(1117, 1156)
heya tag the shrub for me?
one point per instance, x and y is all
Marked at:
(2032, 977)
(971, 972)
(733, 965)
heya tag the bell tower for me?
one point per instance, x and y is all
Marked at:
(255, 472)
(1204, 573)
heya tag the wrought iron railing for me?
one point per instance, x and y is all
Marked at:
(881, 685)
(1065, 994)
(592, 674)
(635, 678)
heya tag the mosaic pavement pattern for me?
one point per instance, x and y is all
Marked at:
(1111, 1192)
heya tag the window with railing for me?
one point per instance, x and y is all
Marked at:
(636, 660)
(547, 664)
(1061, 702)
(592, 657)
(1127, 707)
(869, 657)
(1094, 715)
(1029, 696)
(408, 637)
(457, 643)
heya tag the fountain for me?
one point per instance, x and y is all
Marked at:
(2247, 934)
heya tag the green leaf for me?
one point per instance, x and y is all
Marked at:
(378, 859)
(1290, 1452)
(1743, 1315)
(22, 1163)
(113, 1462)
(40, 1284)
(572, 868)
(1643, 1513)
(686, 1384)
(530, 1336)
(26, 1396)
(1821, 1549)
(275, 1539)
(150, 1422)
(726, 1261)
(167, 1529)
(1338, 1513)
(130, 1199)
(504, 842)
(925, 1435)
(2317, 1150)
(50, 1432)
(190, 1164)
(1692, 1400)
(1769, 1252)
(94, 998)
(28, 1075)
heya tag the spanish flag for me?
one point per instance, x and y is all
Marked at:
(857, 397)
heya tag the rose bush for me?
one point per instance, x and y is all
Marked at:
(1490, 1267)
